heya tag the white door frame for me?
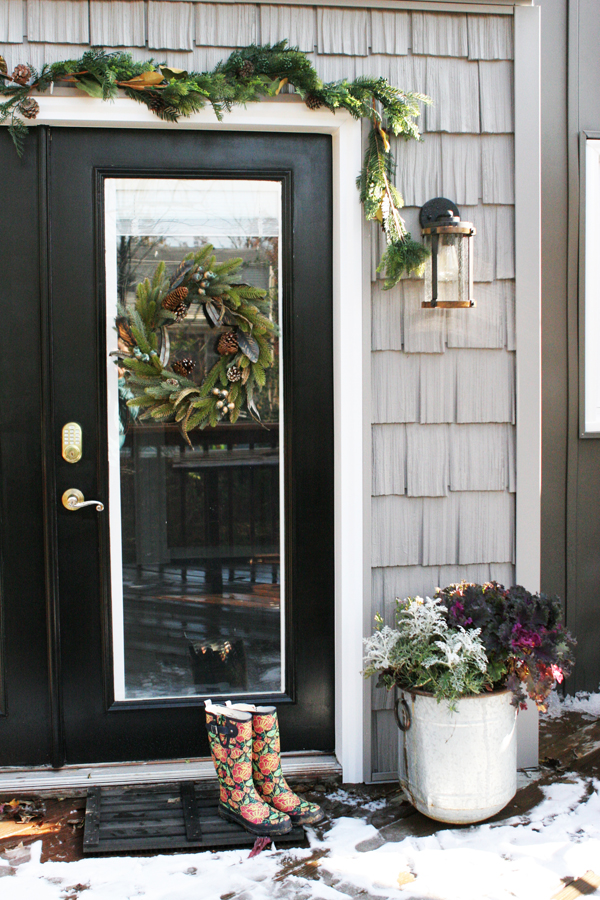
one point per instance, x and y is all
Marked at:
(288, 114)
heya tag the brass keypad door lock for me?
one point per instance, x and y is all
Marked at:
(72, 442)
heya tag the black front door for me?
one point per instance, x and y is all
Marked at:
(209, 572)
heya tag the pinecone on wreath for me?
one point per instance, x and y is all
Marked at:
(246, 70)
(21, 74)
(29, 108)
(175, 299)
(227, 343)
(3, 66)
(313, 102)
(181, 312)
(184, 367)
(234, 373)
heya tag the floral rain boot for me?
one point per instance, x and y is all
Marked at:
(269, 782)
(230, 739)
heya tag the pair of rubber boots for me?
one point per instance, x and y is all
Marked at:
(245, 747)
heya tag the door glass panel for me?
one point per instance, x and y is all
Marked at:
(196, 534)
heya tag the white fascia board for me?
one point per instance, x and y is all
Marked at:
(66, 109)
(351, 409)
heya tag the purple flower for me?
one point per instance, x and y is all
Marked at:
(524, 639)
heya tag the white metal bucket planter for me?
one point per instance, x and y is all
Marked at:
(457, 766)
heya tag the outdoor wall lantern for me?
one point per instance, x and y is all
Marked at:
(449, 268)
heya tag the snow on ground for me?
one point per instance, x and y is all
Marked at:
(582, 702)
(524, 857)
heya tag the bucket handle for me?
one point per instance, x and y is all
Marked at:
(403, 719)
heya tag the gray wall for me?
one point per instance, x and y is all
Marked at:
(443, 407)
(583, 456)
(571, 465)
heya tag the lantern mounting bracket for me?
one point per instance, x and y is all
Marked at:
(436, 209)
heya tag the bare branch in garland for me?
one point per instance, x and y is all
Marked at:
(247, 75)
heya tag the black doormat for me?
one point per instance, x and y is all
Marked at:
(163, 817)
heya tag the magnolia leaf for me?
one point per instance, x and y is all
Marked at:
(212, 314)
(89, 84)
(386, 143)
(249, 346)
(144, 80)
(281, 84)
(252, 407)
(177, 74)
(182, 271)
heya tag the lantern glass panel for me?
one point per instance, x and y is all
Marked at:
(463, 250)
(427, 286)
(452, 269)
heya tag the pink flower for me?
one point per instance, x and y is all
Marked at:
(557, 673)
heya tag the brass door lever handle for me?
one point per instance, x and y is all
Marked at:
(73, 499)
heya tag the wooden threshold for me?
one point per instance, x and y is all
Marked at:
(74, 780)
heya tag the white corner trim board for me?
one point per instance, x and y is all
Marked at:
(528, 301)
(350, 410)
(528, 293)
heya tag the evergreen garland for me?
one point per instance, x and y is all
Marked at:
(247, 75)
(162, 390)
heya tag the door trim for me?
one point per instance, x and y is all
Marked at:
(351, 363)
(49, 490)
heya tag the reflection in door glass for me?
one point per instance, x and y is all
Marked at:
(195, 532)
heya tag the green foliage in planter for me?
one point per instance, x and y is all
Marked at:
(472, 638)
(426, 653)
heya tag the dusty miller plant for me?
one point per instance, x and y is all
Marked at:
(424, 652)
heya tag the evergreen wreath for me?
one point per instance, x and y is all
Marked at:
(163, 391)
(247, 75)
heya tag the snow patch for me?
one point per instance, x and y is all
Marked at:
(583, 702)
(524, 857)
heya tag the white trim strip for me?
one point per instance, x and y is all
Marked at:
(76, 779)
(528, 261)
(528, 294)
(495, 7)
(349, 363)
